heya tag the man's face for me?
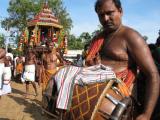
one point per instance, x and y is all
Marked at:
(8, 57)
(50, 46)
(109, 16)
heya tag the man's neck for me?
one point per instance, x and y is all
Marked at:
(110, 33)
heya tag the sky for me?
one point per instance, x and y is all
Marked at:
(141, 15)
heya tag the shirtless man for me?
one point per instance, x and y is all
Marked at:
(19, 67)
(7, 74)
(29, 71)
(2, 59)
(51, 61)
(122, 48)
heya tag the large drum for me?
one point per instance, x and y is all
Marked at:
(98, 101)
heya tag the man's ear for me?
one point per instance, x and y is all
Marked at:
(121, 11)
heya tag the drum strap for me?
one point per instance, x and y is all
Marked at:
(123, 88)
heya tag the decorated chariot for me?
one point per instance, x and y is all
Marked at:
(44, 26)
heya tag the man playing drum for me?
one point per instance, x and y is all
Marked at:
(121, 48)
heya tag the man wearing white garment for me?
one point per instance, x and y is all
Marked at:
(2, 59)
(7, 74)
(29, 71)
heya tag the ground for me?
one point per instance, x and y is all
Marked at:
(15, 107)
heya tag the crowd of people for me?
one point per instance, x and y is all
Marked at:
(28, 68)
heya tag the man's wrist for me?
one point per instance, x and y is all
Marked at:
(147, 114)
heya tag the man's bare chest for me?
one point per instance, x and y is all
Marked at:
(50, 58)
(114, 51)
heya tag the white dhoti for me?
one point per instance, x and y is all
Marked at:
(1, 75)
(6, 80)
(29, 73)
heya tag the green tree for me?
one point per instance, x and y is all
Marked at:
(21, 11)
(85, 37)
(94, 33)
(2, 40)
(75, 43)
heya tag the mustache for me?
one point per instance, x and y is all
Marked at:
(107, 24)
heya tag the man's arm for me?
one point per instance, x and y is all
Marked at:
(140, 52)
(11, 61)
(41, 69)
(35, 60)
(2, 53)
(62, 62)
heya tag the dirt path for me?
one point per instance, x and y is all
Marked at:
(15, 107)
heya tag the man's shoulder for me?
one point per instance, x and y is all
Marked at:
(132, 37)
(131, 34)
(2, 50)
(130, 31)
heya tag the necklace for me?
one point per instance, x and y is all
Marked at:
(112, 35)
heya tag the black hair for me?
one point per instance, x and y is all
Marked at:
(9, 50)
(29, 50)
(152, 46)
(99, 3)
(158, 41)
(48, 42)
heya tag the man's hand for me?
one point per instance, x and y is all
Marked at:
(39, 84)
(142, 117)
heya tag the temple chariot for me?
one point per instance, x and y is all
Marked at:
(44, 26)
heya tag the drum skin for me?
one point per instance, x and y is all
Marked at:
(106, 106)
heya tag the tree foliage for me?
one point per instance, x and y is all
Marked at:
(2, 40)
(21, 11)
(78, 43)
(74, 43)
(85, 37)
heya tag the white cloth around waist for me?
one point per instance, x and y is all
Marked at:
(1, 74)
(6, 81)
(29, 73)
(29, 68)
(7, 74)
